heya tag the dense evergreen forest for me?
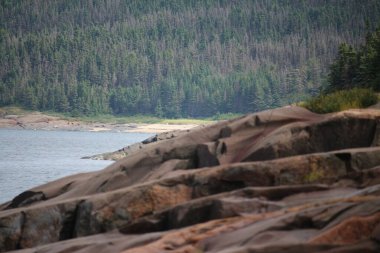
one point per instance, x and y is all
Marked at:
(172, 58)
(356, 68)
(353, 78)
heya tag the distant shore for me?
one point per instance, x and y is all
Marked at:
(40, 121)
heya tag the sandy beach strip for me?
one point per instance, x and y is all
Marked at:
(159, 128)
(39, 121)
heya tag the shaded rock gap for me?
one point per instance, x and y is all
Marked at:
(346, 158)
(26, 198)
(325, 226)
(276, 193)
(376, 136)
(69, 224)
(66, 187)
(22, 228)
(103, 184)
(82, 218)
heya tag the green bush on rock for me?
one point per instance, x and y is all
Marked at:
(342, 100)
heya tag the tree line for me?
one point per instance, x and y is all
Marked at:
(180, 58)
(353, 78)
(356, 67)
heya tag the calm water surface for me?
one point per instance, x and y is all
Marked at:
(29, 158)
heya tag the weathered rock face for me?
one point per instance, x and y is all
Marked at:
(121, 153)
(285, 180)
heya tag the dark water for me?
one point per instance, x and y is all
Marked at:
(29, 158)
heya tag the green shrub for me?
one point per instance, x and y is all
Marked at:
(225, 116)
(342, 100)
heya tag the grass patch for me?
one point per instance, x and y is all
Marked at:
(119, 119)
(108, 118)
(140, 119)
(225, 116)
(13, 110)
(116, 119)
(186, 121)
(342, 100)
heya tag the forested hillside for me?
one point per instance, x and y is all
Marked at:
(172, 58)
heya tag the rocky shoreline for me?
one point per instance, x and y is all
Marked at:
(125, 151)
(284, 180)
(40, 121)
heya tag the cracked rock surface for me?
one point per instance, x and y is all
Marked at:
(283, 180)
